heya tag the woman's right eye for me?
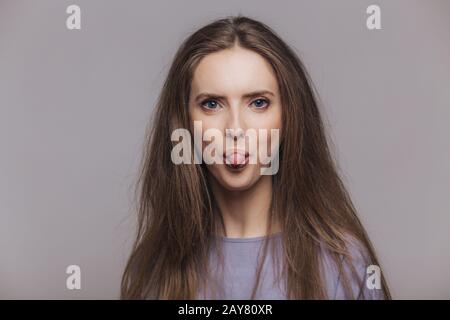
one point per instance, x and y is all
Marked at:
(210, 104)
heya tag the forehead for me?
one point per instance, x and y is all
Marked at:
(233, 71)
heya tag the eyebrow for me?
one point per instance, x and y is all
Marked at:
(219, 97)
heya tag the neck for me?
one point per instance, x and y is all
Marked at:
(245, 212)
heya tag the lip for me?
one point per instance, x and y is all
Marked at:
(236, 160)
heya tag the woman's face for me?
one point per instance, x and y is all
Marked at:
(235, 89)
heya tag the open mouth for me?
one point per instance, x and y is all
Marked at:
(235, 159)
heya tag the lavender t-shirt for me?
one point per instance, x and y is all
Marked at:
(240, 262)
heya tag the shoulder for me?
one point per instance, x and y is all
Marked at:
(345, 275)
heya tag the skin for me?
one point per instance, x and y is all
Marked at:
(243, 197)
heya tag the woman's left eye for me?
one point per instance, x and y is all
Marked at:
(260, 103)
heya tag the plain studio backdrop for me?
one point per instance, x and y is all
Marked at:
(74, 105)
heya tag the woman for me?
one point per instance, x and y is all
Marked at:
(226, 231)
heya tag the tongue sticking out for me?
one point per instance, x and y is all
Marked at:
(235, 159)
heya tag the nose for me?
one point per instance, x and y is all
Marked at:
(235, 124)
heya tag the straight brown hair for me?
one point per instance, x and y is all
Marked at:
(178, 218)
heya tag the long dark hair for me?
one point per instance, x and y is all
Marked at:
(177, 217)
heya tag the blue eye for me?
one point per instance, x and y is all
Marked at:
(210, 104)
(260, 103)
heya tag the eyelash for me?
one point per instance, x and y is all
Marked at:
(265, 100)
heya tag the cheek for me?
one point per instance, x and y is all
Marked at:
(276, 118)
(212, 123)
(271, 123)
(276, 124)
(276, 121)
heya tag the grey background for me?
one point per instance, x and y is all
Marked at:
(74, 106)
